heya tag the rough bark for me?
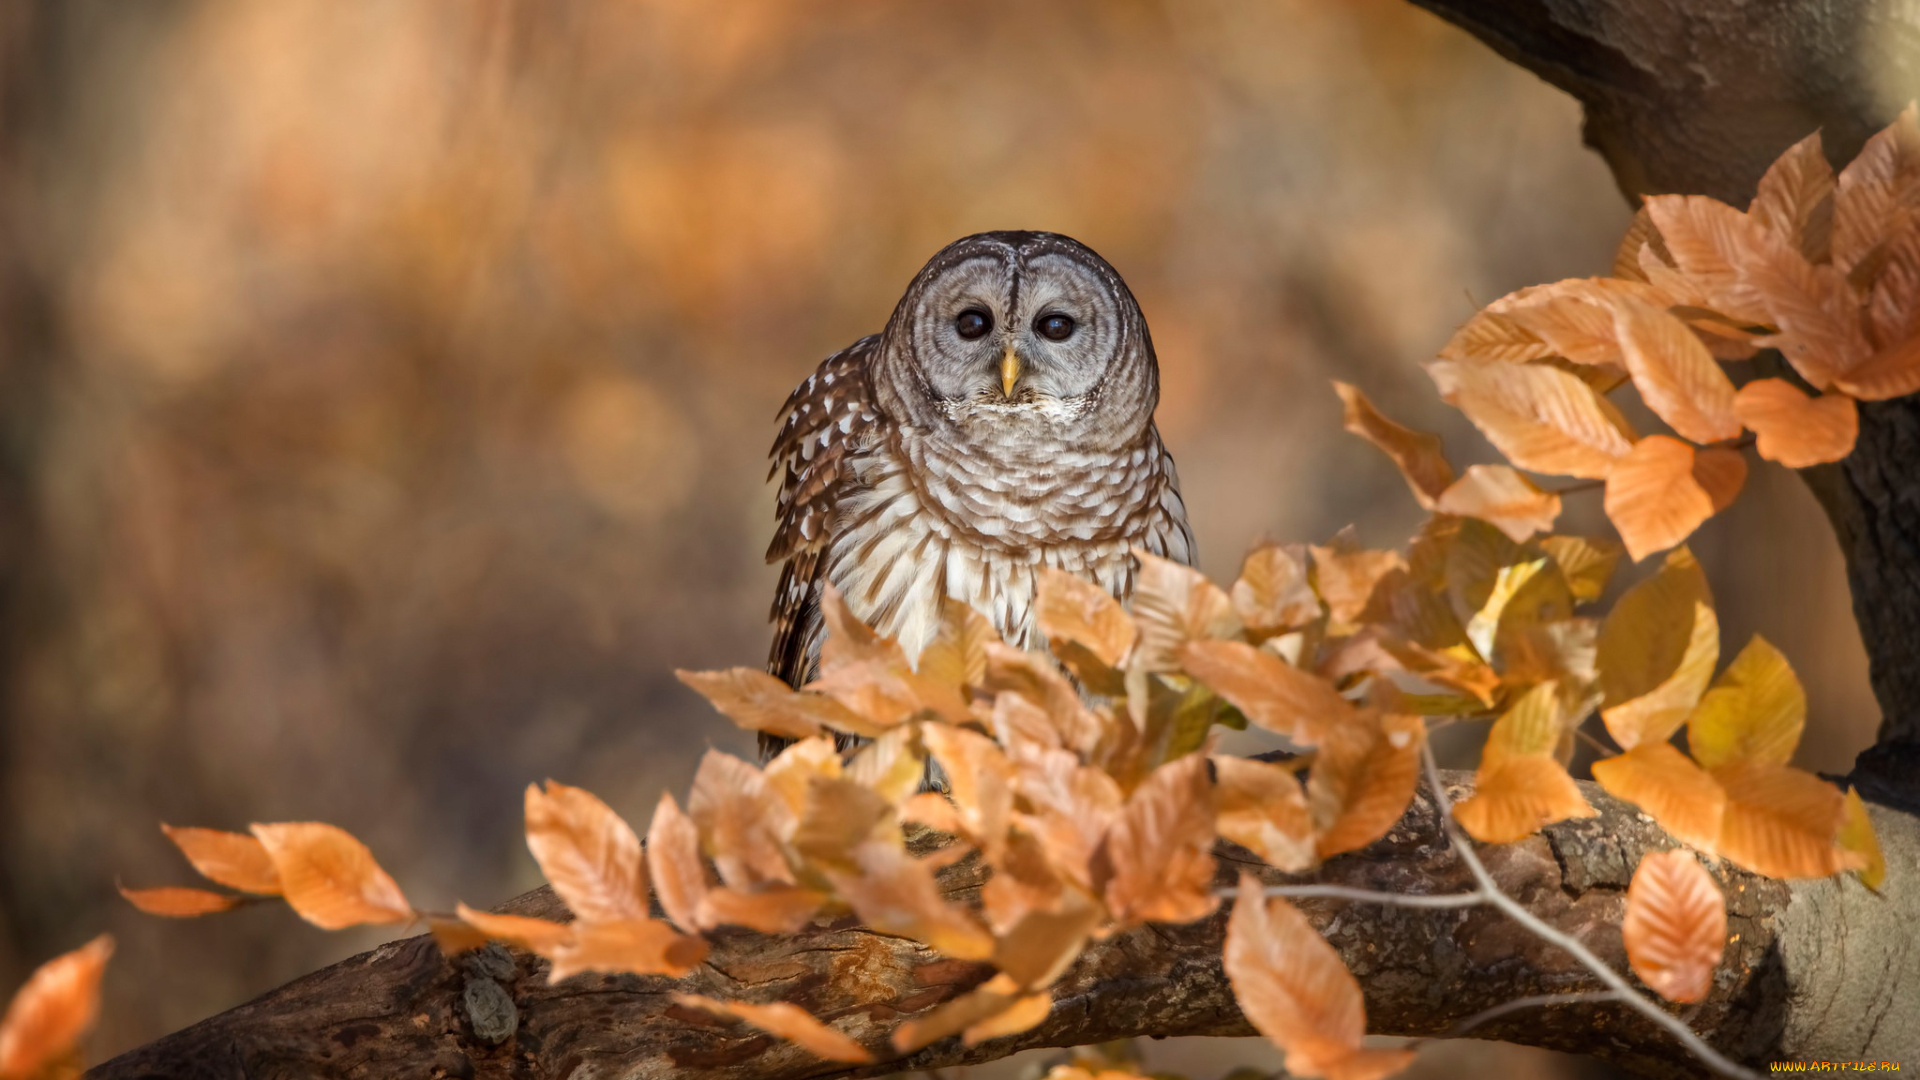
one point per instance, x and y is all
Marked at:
(403, 1011)
(1699, 96)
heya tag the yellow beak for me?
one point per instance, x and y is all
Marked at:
(1009, 372)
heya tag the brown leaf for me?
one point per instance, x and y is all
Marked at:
(1795, 199)
(1160, 847)
(792, 771)
(1362, 779)
(1817, 312)
(979, 780)
(1273, 595)
(329, 878)
(1795, 430)
(895, 894)
(1754, 712)
(1037, 949)
(235, 860)
(1031, 677)
(1516, 797)
(1576, 317)
(1890, 373)
(1272, 693)
(1263, 808)
(534, 935)
(1676, 925)
(770, 909)
(1873, 188)
(1068, 607)
(1073, 805)
(630, 946)
(757, 701)
(1175, 604)
(957, 655)
(1676, 375)
(1492, 337)
(1681, 796)
(52, 1010)
(673, 856)
(892, 766)
(1501, 497)
(1782, 822)
(177, 903)
(1658, 648)
(742, 821)
(1293, 987)
(1543, 419)
(1419, 454)
(1347, 576)
(589, 854)
(1893, 305)
(1653, 498)
(1721, 472)
(788, 1021)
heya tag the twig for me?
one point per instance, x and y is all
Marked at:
(1370, 896)
(1566, 943)
(1502, 1009)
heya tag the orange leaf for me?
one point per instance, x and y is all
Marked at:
(1626, 256)
(1890, 373)
(957, 655)
(1517, 797)
(1674, 372)
(1575, 317)
(1160, 847)
(1263, 808)
(741, 820)
(1362, 780)
(788, 1021)
(758, 701)
(534, 935)
(178, 903)
(1068, 607)
(1272, 693)
(587, 852)
(896, 894)
(329, 877)
(1653, 498)
(1681, 796)
(235, 860)
(1711, 242)
(1175, 604)
(52, 1010)
(1293, 987)
(979, 780)
(1795, 199)
(673, 856)
(1024, 1014)
(1068, 721)
(1419, 455)
(629, 946)
(1782, 822)
(849, 640)
(1273, 595)
(1676, 925)
(1873, 187)
(1543, 419)
(975, 1007)
(1795, 430)
(1721, 473)
(1347, 576)
(793, 770)
(1493, 337)
(1501, 497)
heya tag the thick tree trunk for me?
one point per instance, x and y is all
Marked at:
(1681, 95)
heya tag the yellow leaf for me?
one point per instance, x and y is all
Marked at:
(1653, 497)
(1657, 651)
(1418, 454)
(329, 878)
(1500, 496)
(789, 774)
(1676, 375)
(1263, 808)
(1755, 711)
(177, 903)
(591, 856)
(52, 1010)
(1068, 607)
(1586, 562)
(1515, 797)
(1857, 838)
(1686, 801)
(235, 860)
(957, 655)
(1531, 725)
(1676, 925)
(788, 1021)
(1541, 418)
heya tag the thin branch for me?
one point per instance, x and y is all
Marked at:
(1533, 1001)
(1566, 943)
(1369, 896)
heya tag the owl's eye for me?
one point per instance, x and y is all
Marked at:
(972, 324)
(1054, 327)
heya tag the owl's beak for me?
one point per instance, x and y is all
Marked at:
(1009, 371)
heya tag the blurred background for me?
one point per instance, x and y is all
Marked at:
(384, 388)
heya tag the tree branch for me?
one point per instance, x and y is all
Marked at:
(403, 1011)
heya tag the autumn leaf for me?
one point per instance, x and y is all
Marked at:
(1533, 724)
(587, 852)
(1024, 1014)
(1067, 720)
(1175, 604)
(329, 878)
(1072, 807)
(1890, 373)
(1263, 808)
(758, 701)
(1294, 989)
(849, 640)
(1160, 847)
(1857, 838)
(1362, 780)
(1493, 337)
(975, 1007)
(742, 821)
(1873, 187)
(1793, 429)
(1795, 199)
(1575, 317)
(673, 859)
(1586, 562)
(1721, 472)
(1710, 242)
(534, 935)
(1037, 948)
(1653, 498)
(1686, 801)
(1500, 496)
(1518, 796)
(1270, 692)
(1347, 576)
(1676, 925)
(1068, 607)
(1626, 255)
(1782, 822)
(957, 655)
(1676, 375)
(628, 946)
(1543, 419)
(1272, 594)
(895, 894)
(178, 903)
(788, 1021)
(790, 773)
(1754, 712)
(52, 1010)
(1419, 454)
(1658, 647)
(979, 779)
(235, 860)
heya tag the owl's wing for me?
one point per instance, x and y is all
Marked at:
(823, 418)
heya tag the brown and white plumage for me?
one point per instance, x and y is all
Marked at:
(939, 459)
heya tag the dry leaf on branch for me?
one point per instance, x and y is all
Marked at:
(679, 875)
(629, 946)
(1160, 847)
(1263, 808)
(1658, 647)
(1543, 419)
(1687, 801)
(788, 1021)
(1419, 454)
(758, 701)
(1676, 925)
(1362, 780)
(235, 860)
(1500, 496)
(1068, 607)
(178, 903)
(1270, 692)
(1272, 594)
(330, 878)
(1653, 497)
(1858, 839)
(1754, 712)
(1675, 374)
(589, 855)
(1796, 430)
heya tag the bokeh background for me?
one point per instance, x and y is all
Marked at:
(384, 388)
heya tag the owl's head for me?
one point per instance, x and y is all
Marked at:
(1020, 333)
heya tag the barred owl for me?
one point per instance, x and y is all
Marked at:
(1003, 421)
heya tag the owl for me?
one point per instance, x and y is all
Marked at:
(1001, 422)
